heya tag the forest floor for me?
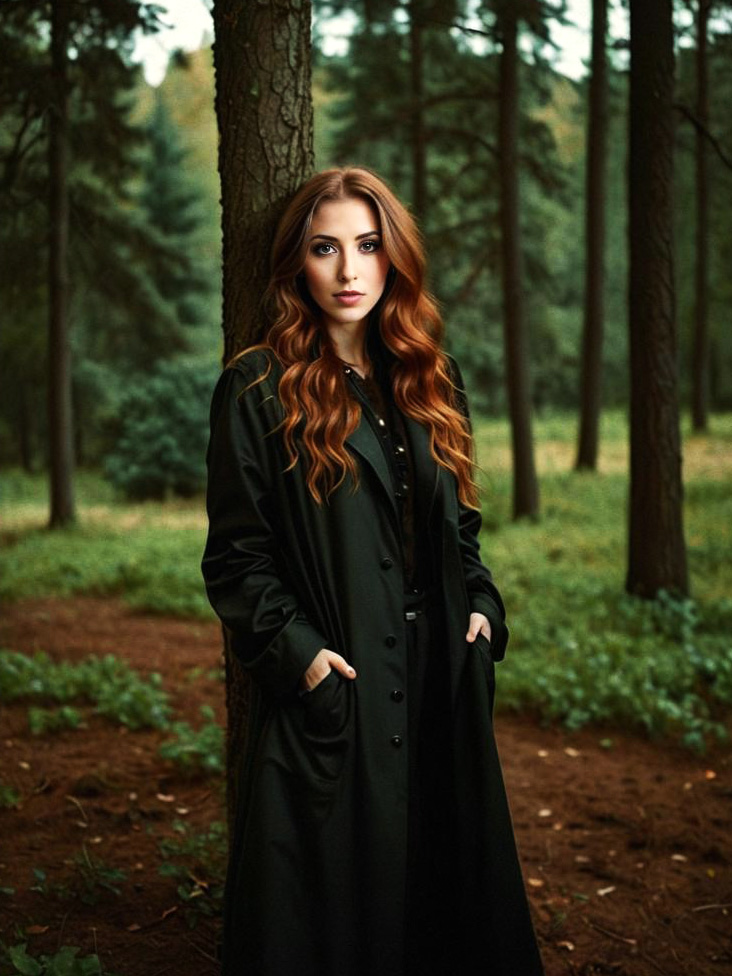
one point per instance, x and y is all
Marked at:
(626, 844)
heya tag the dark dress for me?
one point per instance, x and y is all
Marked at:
(372, 834)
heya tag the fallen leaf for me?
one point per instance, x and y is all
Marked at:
(710, 774)
(558, 825)
(605, 891)
(135, 927)
(169, 911)
(542, 753)
(96, 840)
(81, 823)
(679, 857)
(581, 859)
(165, 797)
(687, 786)
(182, 811)
(545, 812)
(23, 764)
(711, 873)
(572, 753)
(536, 883)
(569, 946)
(36, 929)
(132, 797)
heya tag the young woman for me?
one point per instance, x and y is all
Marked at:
(372, 833)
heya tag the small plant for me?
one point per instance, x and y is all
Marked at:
(65, 962)
(43, 720)
(96, 877)
(118, 692)
(8, 797)
(197, 861)
(196, 749)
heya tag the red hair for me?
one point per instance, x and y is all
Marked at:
(313, 389)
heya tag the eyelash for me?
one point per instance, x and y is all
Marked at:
(322, 254)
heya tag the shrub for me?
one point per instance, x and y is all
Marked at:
(161, 432)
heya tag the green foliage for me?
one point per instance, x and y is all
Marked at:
(197, 862)
(161, 434)
(196, 749)
(65, 962)
(117, 691)
(43, 720)
(95, 878)
(8, 797)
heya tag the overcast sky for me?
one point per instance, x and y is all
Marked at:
(191, 24)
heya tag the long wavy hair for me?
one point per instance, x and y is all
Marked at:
(319, 412)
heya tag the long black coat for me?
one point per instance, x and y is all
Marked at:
(316, 881)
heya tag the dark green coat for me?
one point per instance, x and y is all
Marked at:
(317, 867)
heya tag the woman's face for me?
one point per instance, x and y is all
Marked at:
(346, 265)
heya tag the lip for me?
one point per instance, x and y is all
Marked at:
(348, 297)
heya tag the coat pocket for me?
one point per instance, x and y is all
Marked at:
(325, 714)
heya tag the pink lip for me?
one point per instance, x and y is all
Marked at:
(348, 297)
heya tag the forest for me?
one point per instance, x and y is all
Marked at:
(579, 241)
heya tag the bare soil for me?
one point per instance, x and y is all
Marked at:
(626, 844)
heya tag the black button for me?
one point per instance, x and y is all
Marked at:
(387, 563)
(396, 741)
(382, 422)
(405, 487)
(390, 640)
(399, 449)
(397, 695)
(415, 591)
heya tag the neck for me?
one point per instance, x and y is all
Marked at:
(349, 343)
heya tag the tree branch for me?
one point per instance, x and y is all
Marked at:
(700, 127)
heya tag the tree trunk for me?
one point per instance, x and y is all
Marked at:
(700, 378)
(525, 485)
(265, 121)
(656, 551)
(419, 154)
(60, 413)
(591, 379)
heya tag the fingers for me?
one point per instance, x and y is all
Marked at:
(479, 624)
(322, 664)
(340, 664)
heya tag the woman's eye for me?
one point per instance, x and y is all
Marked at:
(371, 246)
(320, 248)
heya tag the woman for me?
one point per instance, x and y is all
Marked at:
(372, 835)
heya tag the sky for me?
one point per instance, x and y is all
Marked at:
(191, 26)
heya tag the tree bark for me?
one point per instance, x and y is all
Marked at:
(656, 551)
(525, 485)
(419, 142)
(265, 122)
(60, 412)
(594, 312)
(700, 376)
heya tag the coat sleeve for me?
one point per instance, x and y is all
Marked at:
(245, 580)
(483, 594)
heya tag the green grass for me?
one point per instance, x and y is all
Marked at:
(581, 650)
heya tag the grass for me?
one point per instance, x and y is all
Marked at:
(581, 650)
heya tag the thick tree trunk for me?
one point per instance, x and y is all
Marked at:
(60, 413)
(525, 485)
(419, 143)
(265, 122)
(656, 551)
(700, 378)
(591, 379)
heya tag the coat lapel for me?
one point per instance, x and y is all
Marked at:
(366, 443)
(426, 469)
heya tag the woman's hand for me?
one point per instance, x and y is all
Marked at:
(479, 624)
(322, 664)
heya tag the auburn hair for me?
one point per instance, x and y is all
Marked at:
(318, 408)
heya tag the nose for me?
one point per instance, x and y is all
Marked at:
(348, 269)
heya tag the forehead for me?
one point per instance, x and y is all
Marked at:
(345, 218)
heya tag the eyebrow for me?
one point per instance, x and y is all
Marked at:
(327, 237)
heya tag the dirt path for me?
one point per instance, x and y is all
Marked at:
(626, 844)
